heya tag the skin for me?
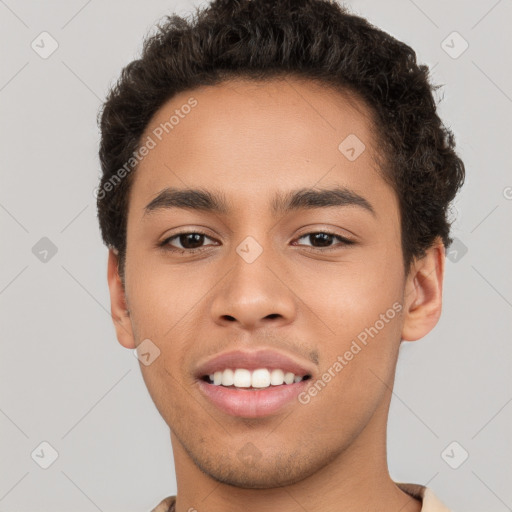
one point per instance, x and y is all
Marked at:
(250, 140)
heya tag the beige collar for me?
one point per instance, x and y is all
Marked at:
(430, 503)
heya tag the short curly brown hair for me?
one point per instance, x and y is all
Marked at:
(311, 39)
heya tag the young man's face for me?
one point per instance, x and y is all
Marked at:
(259, 282)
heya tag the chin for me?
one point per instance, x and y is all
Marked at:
(278, 472)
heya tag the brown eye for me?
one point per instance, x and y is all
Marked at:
(321, 239)
(185, 242)
(191, 240)
(324, 239)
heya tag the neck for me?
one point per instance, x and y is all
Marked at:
(355, 479)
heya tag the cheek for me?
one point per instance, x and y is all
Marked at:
(160, 296)
(348, 296)
(360, 311)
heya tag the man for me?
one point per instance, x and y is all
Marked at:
(274, 196)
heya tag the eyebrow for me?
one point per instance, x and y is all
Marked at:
(305, 198)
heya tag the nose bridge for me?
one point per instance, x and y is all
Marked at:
(252, 294)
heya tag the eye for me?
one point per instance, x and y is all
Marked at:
(193, 241)
(324, 239)
(187, 242)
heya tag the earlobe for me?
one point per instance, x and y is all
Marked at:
(118, 305)
(423, 293)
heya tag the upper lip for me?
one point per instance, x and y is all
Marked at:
(252, 360)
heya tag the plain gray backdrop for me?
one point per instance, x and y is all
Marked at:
(66, 381)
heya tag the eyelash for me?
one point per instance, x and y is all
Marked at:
(167, 247)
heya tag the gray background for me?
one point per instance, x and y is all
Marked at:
(64, 377)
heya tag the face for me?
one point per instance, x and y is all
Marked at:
(294, 248)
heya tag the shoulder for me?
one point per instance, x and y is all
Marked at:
(430, 502)
(166, 505)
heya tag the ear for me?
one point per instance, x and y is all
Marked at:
(118, 304)
(423, 293)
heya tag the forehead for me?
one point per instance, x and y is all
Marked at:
(259, 136)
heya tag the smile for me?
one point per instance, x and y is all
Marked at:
(253, 394)
(256, 379)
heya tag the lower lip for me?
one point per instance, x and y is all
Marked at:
(248, 403)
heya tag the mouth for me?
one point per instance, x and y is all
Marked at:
(252, 384)
(261, 378)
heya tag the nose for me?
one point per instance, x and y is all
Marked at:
(254, 295)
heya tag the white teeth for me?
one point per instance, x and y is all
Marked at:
(276, 377)
(242, 378)
(259, 378)
(288, 377)
(227, 377)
